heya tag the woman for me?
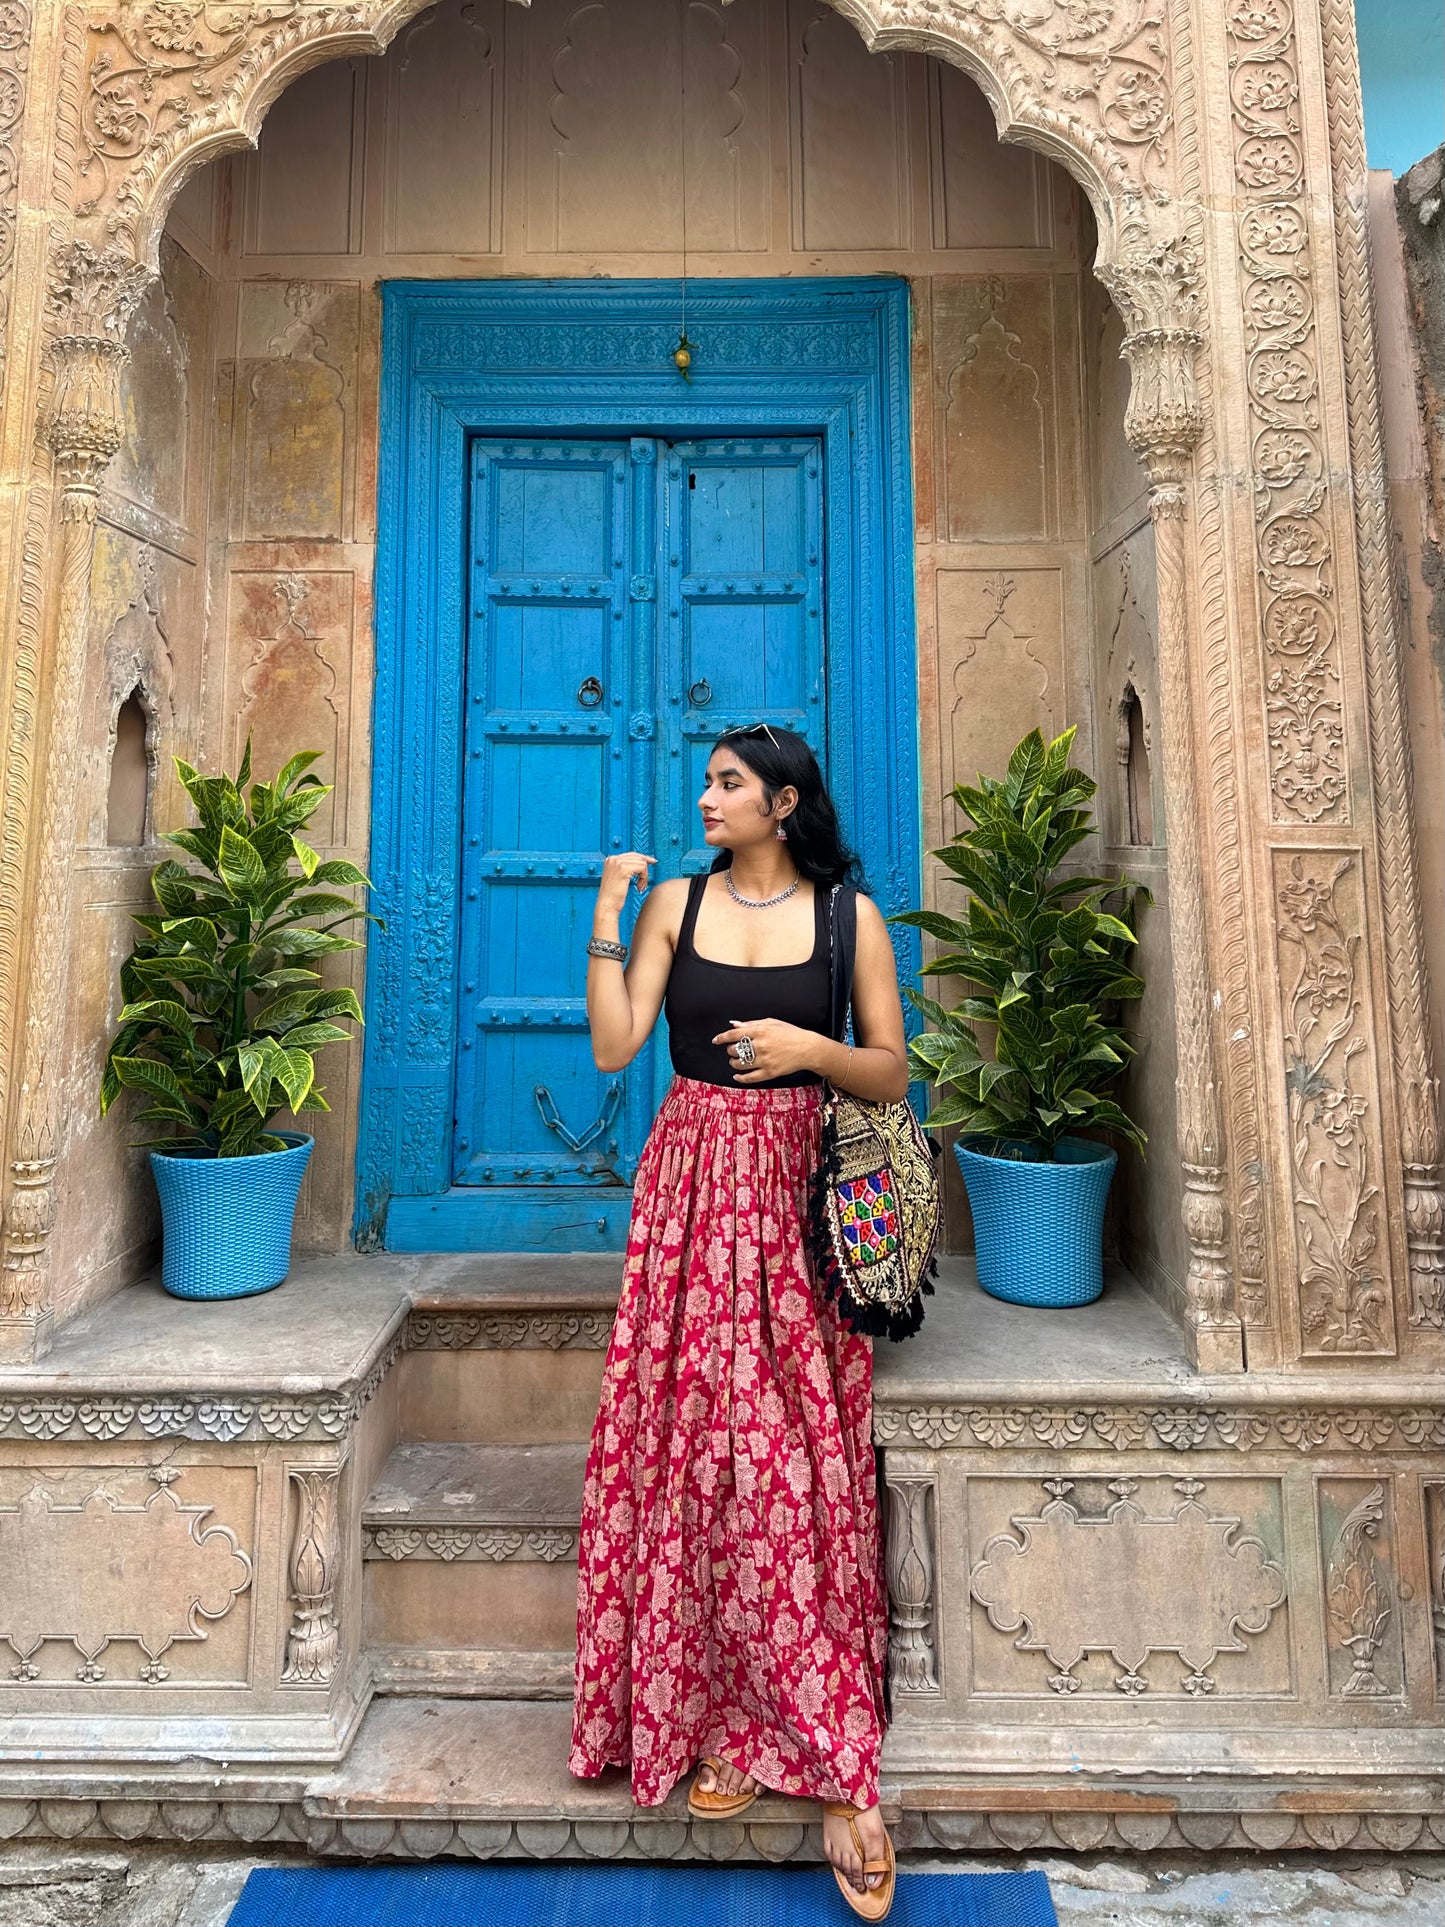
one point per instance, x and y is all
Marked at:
(731, 1605)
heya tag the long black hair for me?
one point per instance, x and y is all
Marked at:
(779, 758)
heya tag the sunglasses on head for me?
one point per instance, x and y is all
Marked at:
(757, 729)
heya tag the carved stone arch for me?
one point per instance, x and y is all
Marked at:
(153, 112)
(1090, 92)
(1037, 87)
(1090, 88)
(166, 90)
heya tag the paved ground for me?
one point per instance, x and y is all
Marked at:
(43, 1885)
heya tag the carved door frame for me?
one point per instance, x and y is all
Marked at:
(592, 357)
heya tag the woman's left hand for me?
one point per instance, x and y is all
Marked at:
(779, 1049)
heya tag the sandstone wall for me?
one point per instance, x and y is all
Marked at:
(1408, 234)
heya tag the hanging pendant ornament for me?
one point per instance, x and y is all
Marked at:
(682, 353)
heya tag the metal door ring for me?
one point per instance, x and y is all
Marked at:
(700, 695)
(589, 693)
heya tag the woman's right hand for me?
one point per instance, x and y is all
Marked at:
(617, 873)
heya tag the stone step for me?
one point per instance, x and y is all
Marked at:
(479, 1779)
(508, 1350)
(469, 1561)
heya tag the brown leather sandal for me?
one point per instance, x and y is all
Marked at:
(706, 1803)
(875, 1902)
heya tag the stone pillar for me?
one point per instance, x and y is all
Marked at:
(91, 299)
(1352, 1164)
(1417, 1085)
(1156, 283)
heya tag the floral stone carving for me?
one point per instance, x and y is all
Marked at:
(313, 1641)
(1344, 1293)
(912, 1644)
(1295, 562)
(100, 1573)
(1128, 1584)
(1359, 1594)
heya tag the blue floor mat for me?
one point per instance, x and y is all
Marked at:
(496, 1895)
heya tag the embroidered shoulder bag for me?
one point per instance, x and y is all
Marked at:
(874, 1202)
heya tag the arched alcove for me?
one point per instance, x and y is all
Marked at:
(128, 793)
(1136, 789)
(390, 168)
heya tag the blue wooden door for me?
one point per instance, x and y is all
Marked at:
(588, 724)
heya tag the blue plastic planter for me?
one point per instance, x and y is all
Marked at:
(227, 1221)
(1039, 1228)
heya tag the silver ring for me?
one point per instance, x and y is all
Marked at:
(746, 1053)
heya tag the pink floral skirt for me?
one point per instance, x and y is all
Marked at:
(730, 1594)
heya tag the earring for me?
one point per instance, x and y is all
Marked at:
(782, 831)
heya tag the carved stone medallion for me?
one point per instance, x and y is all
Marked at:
(1128, 1583)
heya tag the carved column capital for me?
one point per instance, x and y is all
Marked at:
(1156, 281)
(91, 299)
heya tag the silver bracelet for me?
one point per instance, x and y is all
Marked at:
(847, 1071)
(605, 947)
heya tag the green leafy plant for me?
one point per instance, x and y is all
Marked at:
(1049, 959)
(224, 1010)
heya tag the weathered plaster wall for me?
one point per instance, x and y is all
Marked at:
(148, 636)
(497, 141)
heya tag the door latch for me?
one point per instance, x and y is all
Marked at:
(552, 1117)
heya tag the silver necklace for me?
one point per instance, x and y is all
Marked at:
(758, 903)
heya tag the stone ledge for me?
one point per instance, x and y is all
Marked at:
(1111, 1375)
(444, 1483)
(487, 1282)
(975, 1352)
(145, 1365)
(1242, 1426)
(481, 1780)
(221, 1823)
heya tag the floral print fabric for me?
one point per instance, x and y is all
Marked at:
(730, 1593)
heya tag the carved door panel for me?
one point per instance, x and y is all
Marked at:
(744, 628)
(545, 797)
(588, 722)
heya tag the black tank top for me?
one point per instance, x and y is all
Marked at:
(703, 996)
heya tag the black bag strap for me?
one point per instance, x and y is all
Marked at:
(842, 950)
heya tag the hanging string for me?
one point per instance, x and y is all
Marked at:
(682, 354)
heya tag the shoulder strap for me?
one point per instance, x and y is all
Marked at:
(842, 949)
(689, 916)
